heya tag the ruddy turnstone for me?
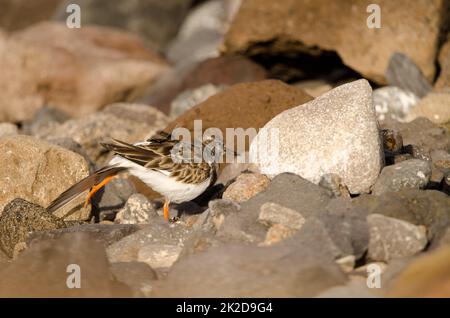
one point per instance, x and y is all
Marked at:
(155, 162)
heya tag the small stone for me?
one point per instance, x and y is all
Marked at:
(246, 186)
(392, 238)
(393, 103)
(272, 213)
(159, 255)
(19, 218)
(436, 178)
(113, 198)
(404, 73)
(412, 173)
(335, 133)
(277, 233)
(347, 263)
(137, 210)
(8, 129)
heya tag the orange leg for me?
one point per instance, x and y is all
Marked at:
(96, 188)
(166, 209)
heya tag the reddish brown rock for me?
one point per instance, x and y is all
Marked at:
(265, 26)
(76, 70)
(247, 105)
(225, 70)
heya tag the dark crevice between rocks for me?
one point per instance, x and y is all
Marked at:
(293, 61)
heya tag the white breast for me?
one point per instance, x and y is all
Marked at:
(161, 182)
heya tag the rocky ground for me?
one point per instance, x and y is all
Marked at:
(362, 180)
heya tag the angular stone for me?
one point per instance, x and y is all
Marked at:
(392, 238)
(248, 271)
(106, 234)
(272, 213)
(335, 133)
(277, 233)
(412, 173)
(246, 186)
(37, 171)
(137, 210)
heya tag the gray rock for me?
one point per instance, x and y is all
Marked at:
(423, 133)
(335, 133)
(346, 225)
(429, 208)
(313, 234)
(19, 218)
(154, 244)
(392, 238)
(191, 97)
(113, 197)
(287, 190)
(137, 275)
(46, 118)
(393, 103)
(43, 270)
(272, 213)
(404, 73)
(417, 152)
(202, 32)
(8, 129)
(412, 173)
(248, 271)
(106, 234)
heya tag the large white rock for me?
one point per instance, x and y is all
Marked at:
(335, 133)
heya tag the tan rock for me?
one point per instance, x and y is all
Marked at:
(38, 172)
(434, 106)
(427, 276)
(247, 185)
(78, 71)
(290, 25)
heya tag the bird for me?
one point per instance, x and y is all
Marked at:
(158, 162)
